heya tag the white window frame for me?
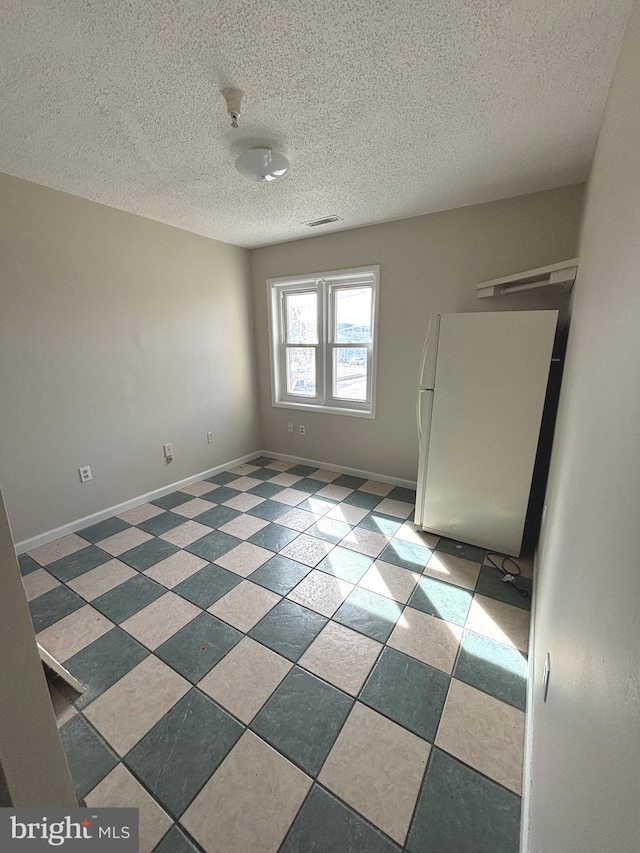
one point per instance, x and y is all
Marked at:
(325, 284)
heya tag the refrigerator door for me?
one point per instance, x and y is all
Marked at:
(490, 384)
(425, 403)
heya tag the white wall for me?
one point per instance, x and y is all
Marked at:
(585, 789)
(117, 334)
(428, 264)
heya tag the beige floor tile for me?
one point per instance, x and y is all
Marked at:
(283, 479)
(243, 484)
(244, 502)
(342, 657)
(324, 476)
(453, 570)
(178, 567)
(390, 581)
(124, 541)
(244, 526)
(244, 469)
(307, 550)
(244, 559)
(501, 622)
(250, 801)
(365, 541)
(399, 509)
(244, 605)
(244, 679)
(141, 513)
(376, 767)
(349, 514)
(483, 732)
(74, 632)
(321, 592)
(410, 532)
(291, 497)
(121, 790)
(373, 487)
(193, 508)
(334, 493)
(427, 638)
(37, 583)
(197, 489)
(298, 519)
(185, 534)
(160, 620)
(58, 549)
(101, 579)
(127, 711)
(280, 465)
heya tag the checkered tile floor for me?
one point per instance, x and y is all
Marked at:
(276, 659)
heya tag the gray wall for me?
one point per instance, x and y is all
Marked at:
(117, 334)
(428, 264)
(585, 761)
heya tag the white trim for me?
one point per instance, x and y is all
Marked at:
(88, 520)
(342, 469)
(554, 278)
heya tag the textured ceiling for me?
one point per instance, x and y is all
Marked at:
(385, 108)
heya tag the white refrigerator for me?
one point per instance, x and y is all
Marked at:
(481, 394)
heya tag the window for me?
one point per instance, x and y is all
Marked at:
(322, 331)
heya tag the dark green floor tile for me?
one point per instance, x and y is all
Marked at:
(348, 482)
(407, 496)
(126, 599)
(261, 461)
(370, 614)
(196, 648)
(77, 564)
(213, 545)
(289, 629)
(27, 564)
(309, 486)
(207, 585)
(408, 555)
(269, 510)
(221, 494)
(441, 599)
(223, 478)
(388, 525)
(498, 670)
(363, 500)
(345, 564)
(302, 719)
(183, 750)
(408, 691)
(88, 756)
(172, 500)
(104, 529)
(217, 516)
(53, 606)
(161, 523)
(325, 825)
(490, 583)
(105, 661)
(142, 557)
(329, 529)
(280, 574)
(266, 490)
(460, 811)
(175, 841)
(461, 549)
(273, 537)
(301, 470)
(264, 474)
(317, 504)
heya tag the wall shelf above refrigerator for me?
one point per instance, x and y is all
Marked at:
(555, 278)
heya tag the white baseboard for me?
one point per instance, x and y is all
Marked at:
(88, 520)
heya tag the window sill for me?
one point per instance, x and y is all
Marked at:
(326, 410)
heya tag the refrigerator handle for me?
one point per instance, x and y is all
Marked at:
(419, 414)
(428, 361)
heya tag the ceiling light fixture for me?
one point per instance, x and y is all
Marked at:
(262, 164)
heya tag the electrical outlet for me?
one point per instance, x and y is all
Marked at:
(85, 474)
(210, 437)
(168, 452)
(303, 429)
(290, 426)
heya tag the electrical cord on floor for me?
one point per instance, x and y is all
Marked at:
(508, 574)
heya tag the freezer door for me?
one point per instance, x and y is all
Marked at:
(425, 402)
(429, 354)
(491, 378)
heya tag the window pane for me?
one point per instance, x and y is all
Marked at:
(352, 306)
(301, 312)
(301, 371)
(350, 373)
